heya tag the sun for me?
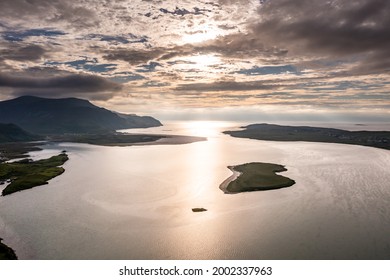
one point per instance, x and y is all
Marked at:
(200, 36)
(204, 60)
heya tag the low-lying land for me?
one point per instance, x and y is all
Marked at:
(6, 253)
(26, 174)
(10, 151)
(108, 139)
(256, 176)
(270, 132)
(125, 139)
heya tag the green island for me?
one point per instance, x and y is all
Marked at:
(6, 253)
(26, 174)
(255, 176)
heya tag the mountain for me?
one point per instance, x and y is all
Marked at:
(67, 115)
(13, 133)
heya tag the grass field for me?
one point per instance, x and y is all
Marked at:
(26, 174)
(258, 176)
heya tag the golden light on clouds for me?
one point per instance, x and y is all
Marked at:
(150, 54)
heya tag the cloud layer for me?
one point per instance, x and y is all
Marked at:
(197, 54)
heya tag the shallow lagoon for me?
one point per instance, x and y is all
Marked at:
(136, 202)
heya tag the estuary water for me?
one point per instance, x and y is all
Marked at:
(135, 202)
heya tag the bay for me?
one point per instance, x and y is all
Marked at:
(136, 202)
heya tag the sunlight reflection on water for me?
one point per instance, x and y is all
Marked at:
(135, 202)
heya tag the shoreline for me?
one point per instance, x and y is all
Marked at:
(124, 140)
(255, 176)
(223, 186)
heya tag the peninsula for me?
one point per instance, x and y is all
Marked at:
(272, 132)
(255, 176)
(27, 174)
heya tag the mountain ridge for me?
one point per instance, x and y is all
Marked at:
(12, 133)
(67, 115)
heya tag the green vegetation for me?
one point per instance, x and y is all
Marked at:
(199, 209)
(6, 253)
(258, 176)
(26, 174)
(271, 132)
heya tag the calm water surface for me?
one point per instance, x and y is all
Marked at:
(135, 202)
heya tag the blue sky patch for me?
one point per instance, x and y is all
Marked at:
(18, 36)
(90, 65)
(127, 39)
(150, 67)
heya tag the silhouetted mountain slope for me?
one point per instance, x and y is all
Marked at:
(67, 115)
(13, 133)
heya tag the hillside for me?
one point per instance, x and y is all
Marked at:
(13, 133)
(66, 115)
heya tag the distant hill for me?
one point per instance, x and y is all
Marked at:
(272, 132)
(13, 133)
(66, 115)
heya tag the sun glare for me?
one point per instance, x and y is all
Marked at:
(204, 60)
(204, 63)
(205, 128)
(199, 36)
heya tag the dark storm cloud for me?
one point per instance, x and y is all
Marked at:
(22, 53)
(68, 83)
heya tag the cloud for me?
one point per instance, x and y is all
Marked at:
(17, 36)
(125, 39)
(183, 12)
(69, 85)
(268, 70)
(76, 16)
(226, 86)
(328, 28)
(133, 57)
(24, 53)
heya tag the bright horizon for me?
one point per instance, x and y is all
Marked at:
(247, 60)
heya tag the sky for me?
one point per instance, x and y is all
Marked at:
(211, 59)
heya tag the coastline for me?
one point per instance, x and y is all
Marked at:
(223, 186)
(164, 140)
(255, 176)
(124, 140)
